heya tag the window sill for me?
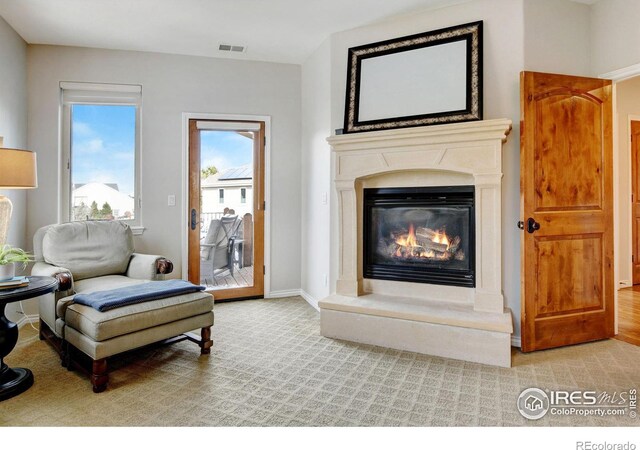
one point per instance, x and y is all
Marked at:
(138, 230)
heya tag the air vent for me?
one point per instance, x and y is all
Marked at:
(232, 48)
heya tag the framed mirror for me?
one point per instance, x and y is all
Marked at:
(423, 79)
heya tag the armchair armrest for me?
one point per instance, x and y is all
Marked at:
(148, 267)
(64, 277)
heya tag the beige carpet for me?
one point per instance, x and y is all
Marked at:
(270, 367)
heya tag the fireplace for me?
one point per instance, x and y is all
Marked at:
(424, 235)
(418, 246)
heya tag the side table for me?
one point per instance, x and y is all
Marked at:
(16, 381)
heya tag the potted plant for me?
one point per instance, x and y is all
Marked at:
(9, 256)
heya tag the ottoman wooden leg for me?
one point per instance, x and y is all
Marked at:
(99, 375)
(206, 343)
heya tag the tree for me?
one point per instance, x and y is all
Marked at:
(208, 171)
(106, 212)
(81, 212)
(95, 212)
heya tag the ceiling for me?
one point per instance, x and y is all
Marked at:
(272, 30)
(285, 31)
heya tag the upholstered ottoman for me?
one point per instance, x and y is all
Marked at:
(103, 334)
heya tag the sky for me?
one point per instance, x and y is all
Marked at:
(103, 146)
(225, 149)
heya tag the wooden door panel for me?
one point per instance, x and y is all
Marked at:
(562, 151)
(565, 286)
(566, 187)
(576, 329)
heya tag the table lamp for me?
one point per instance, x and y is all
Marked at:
(17, 171)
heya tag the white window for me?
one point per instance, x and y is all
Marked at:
(243, 195)
(221, 194)
(101, 152)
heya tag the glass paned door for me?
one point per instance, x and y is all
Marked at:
(226, 194)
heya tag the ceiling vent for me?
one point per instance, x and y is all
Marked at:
(232, 48)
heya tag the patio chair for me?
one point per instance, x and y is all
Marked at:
(216, 247)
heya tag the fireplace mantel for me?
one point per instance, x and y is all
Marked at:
(452, 154)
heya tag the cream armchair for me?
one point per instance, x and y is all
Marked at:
(93, 270)
(95, 256)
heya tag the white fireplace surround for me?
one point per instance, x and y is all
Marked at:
(463, 323)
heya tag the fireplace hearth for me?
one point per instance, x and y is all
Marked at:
(424, 235)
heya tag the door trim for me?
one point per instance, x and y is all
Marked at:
(616, 76)
(184, 219)
(629, 283)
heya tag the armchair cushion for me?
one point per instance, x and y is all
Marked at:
(89, 249)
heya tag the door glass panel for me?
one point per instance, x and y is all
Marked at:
(226, 205)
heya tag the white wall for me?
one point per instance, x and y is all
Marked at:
(13, 117)
(614, 45)
(13, 128)
(503, 61)
(316, 173)
(556, 37)
(171, 85)
(615, 35)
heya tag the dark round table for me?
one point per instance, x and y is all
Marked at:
(16, 381)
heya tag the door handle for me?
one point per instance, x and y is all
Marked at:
(194, 219)
(532, 225)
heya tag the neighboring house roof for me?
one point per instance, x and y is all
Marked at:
(237, 173)
(234, 177)
(100, 193)
(111, 185)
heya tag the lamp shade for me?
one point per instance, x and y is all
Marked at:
(17, 169)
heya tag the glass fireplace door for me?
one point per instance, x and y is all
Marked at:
(420, 234)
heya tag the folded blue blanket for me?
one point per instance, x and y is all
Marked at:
(138, 293)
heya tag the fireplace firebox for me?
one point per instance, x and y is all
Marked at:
(422, 234)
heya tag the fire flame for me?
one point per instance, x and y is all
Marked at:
(441, 238)
(408, 245)
(408, 240)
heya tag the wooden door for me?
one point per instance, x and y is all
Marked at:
(241, 275)
(567, 210)
(635, 199)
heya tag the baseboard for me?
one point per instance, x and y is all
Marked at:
(310, 299)
(285, 293)
(515, 341)
(625, 284)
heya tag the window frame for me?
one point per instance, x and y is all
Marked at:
(100, 94)
(221, 196)
(243, 195)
